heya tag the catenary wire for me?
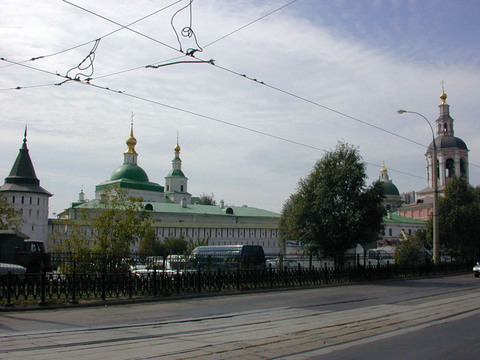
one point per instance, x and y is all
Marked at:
(261, 82)
(235, 73)
(101, 37)
(196, 114)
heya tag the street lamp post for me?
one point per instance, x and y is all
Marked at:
(436, 237)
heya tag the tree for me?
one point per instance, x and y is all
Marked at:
(192, 244)
(121, 220)
(206, 199)
(459, 220)
(372, 214)
(150, 245)
(332, 209)
(9, 217)
(176, 246)
(411, 251)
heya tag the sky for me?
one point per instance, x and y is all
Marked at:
(288, 80)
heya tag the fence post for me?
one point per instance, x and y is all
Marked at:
(130, 285)
(270, 275)
(9, 289)
(219, 280)
(177, 281)
(299, 275)
(43, 284)
(238, 276)
(199, 281)
(326, 274)
(155, 280)
(104, 285)
(74, 287)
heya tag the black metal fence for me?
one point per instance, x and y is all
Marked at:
(75, 277)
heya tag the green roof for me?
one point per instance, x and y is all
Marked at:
(390, 189)
(196, 209)
(176, 172)
(129, 171)
(130, 184)
(402, 219)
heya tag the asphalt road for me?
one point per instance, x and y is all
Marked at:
(433, 317)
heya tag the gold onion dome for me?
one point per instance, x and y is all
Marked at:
(131, 142)
(443, 97)
(177, 148)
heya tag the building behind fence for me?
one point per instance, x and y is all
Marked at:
(74, 277)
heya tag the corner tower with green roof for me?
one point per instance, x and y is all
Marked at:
(131, 177)
(176, 181)
(22, 189)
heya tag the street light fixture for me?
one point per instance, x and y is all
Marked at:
(436, 237)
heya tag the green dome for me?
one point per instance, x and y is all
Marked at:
(129, 171)
(176, 172)
(390, 189)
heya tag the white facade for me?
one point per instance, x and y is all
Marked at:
(22, 189)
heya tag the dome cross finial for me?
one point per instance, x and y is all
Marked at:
(177, 147)
(131, 141)
(443, 96)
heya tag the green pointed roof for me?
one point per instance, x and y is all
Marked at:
(22, 177)
(176, 172)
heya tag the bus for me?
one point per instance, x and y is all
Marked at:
(228, 257)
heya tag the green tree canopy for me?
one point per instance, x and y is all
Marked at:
(207, 199)
(333, 209)
(121, 220)
(176, 246)
(150, 245)
(411, 251)
(10, 218)
(459, 220)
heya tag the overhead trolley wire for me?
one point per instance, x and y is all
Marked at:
(222, 68)
(255, 80)
(196, 114)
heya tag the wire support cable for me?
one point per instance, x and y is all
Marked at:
(196, 114)
(121, 27)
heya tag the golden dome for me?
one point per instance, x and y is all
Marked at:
(177, 148)
(443, 97)
(383, 169)
(131, 142)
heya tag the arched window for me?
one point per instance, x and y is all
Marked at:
(149, 207)
(449, 168)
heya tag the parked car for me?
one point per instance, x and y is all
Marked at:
(12, 269)
(476, 270)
